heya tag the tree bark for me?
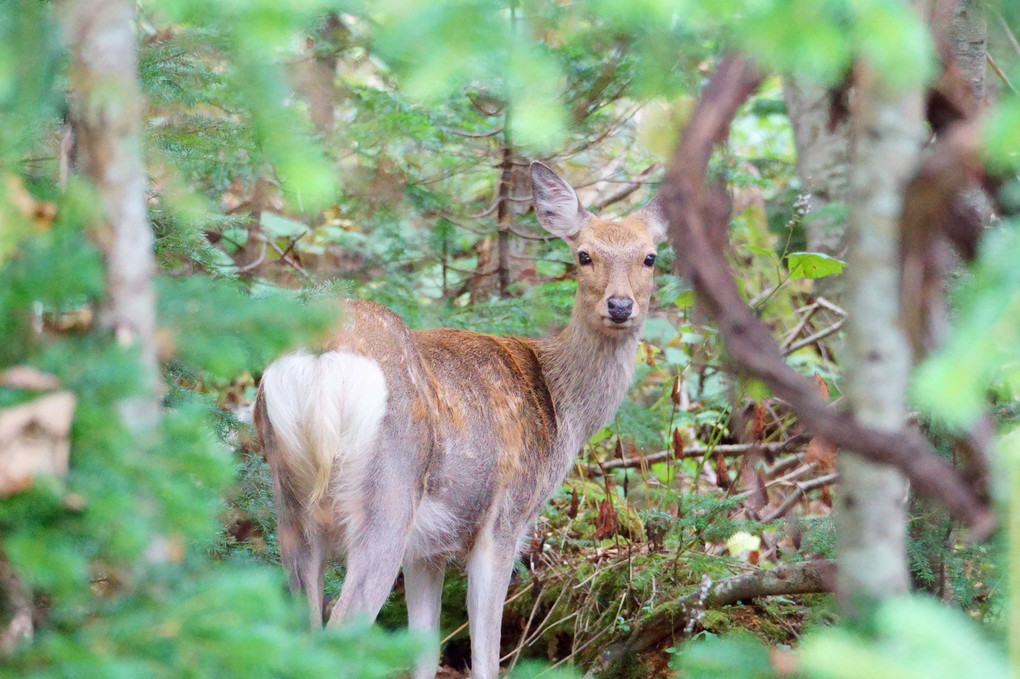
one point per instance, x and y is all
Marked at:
(502, 258)
(968, 36)
(822, 137)
(107, 106)
(888, 130)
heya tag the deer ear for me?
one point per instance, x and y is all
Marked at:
(556, 204)
(653, 214)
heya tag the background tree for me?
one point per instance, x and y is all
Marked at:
(292, 155)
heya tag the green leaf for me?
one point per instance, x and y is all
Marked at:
(764, 252)
(278, 226)
(813, 265)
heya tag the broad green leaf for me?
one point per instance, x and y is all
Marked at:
(279, 226)
(813, 265)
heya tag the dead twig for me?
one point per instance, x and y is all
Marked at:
(801, 324)
(799, 492)
(796, 473)
(1000, 73)
(286, 259)
(811, 339)
(727, 449)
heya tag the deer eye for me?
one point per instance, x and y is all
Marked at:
(650, 260)
(583, 258)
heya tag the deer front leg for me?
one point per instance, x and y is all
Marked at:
(423, 591)
(489, 568)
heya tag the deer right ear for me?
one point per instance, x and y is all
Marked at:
(556, 204)
(653, 214)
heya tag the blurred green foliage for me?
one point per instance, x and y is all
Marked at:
(137, 560)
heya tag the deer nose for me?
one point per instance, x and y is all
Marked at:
(620, 308)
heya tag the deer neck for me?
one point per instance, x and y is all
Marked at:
(588, 374)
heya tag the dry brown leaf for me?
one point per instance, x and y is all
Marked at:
(678, 444)
(821, 453)
(822, 387)
(825, 497)
(722, 471)
(35, 440)
(605, 524)
(572, 509)
(754, 479)
(758, 426)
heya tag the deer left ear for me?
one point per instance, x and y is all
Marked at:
(556, 204)
(653, 214)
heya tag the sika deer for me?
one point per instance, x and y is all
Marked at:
(398, 448)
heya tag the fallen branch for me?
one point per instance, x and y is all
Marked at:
(698, 219)
(801, 324)
(807, 577)
(798, 492)
(795, 474)
(727, 449)
(815, 337)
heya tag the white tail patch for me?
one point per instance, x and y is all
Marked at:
(324, 410)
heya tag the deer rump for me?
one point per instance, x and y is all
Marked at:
(446, 438)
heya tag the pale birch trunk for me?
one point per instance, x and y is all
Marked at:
(107, 115)
(887, 131)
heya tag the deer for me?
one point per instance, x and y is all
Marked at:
(397, 449)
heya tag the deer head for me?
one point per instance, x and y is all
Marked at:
(616, 259)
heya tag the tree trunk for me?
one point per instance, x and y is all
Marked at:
(968, 35)
(822, 138)
(107, 107)
(887, 130)
(503, 259)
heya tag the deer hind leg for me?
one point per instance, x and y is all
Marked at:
(489, 568)
(302, 557)
(301, 551)
(299, 535)
(376, 540)
(423, 588)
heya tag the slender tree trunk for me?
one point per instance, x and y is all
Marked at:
(887, 128)
(503, 218)
(503, 259)
(968, 32)
(107, 108)
(822, 137)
